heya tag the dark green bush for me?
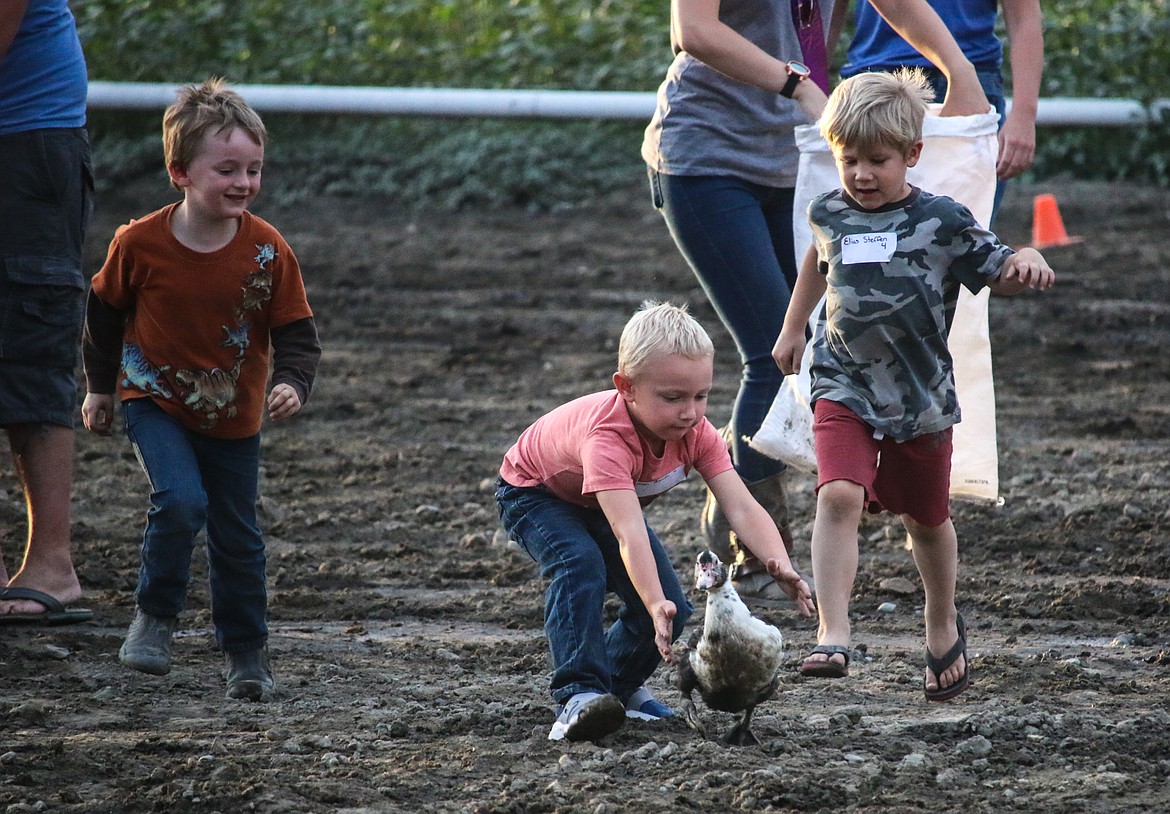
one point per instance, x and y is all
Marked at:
(1101, 48)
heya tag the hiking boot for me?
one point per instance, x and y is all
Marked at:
(588, 716)
(148, 643)
(249, 675)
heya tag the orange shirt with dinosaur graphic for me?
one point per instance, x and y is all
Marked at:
(196, 338)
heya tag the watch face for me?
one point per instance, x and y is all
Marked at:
(798, 68)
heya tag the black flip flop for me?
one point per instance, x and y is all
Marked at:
(815, 668)
(54, 613)
(940, 666)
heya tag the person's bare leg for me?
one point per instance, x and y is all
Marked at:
(834, 559)
(936, 553)
(43, 456)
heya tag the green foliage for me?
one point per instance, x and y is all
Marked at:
(1106, 48)
(452, 163)
(410, 43)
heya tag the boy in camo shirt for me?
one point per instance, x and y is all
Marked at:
(891, 257)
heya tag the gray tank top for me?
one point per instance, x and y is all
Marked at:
(708, 124)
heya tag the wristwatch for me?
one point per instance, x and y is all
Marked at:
(797, 73)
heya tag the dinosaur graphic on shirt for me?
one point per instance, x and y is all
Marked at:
(265, 254)
(257, 291)
(237, 337)
(140, 374)
(211, 392)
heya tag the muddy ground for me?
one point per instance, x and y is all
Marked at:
(407, 632)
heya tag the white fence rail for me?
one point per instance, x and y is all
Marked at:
(554, 104)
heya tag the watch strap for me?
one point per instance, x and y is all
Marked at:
(790, 86)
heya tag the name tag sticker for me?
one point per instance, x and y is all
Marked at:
(874, 248)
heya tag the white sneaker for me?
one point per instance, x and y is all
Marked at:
(588, 716)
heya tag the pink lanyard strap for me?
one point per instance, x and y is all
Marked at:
(806, 16)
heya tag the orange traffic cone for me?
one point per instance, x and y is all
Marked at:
(1047, 226)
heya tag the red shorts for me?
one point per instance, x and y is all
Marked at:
(912, 477)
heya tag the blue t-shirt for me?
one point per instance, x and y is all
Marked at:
(877, 47)
(43, 80)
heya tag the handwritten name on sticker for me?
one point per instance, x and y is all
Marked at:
(874, 248)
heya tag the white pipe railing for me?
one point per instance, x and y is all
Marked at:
(555, 104)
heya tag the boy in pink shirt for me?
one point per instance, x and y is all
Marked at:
(571, 493)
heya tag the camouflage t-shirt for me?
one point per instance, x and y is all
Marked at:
(893, 280)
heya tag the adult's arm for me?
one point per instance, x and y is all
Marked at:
(695, 27)
(919, 24)
(11, 16)
(1025, 34)
(837, 25)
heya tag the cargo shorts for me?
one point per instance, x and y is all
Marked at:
(46, 199)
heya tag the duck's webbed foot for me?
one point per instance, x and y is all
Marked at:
(741, 734)
(691, 716)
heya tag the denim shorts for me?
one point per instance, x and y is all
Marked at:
(46, 198)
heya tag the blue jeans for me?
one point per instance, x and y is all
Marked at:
(198, 482)
(579, 557)
(737, 238)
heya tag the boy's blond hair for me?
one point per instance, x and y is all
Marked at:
(661, 328)
(200, 109)
(877, 109)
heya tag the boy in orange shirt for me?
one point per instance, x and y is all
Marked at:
(571, 493)
(179, 322)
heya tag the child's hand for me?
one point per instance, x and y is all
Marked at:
(1027, 268)
(792, 584)
(788, 351)
(97, 412)
(283, 402)
(663, 615)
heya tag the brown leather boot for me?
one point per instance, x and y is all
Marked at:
(749, 575)
(713, 524)
(770, 494)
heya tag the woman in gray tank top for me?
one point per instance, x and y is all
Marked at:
(722, 163)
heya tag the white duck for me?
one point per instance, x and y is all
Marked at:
(733, 661)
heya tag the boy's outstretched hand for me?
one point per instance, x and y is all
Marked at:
(663, 615)
(792, 584)
(1027, 268)
(283, 402)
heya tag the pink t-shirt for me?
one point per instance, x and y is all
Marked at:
(590, 445)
